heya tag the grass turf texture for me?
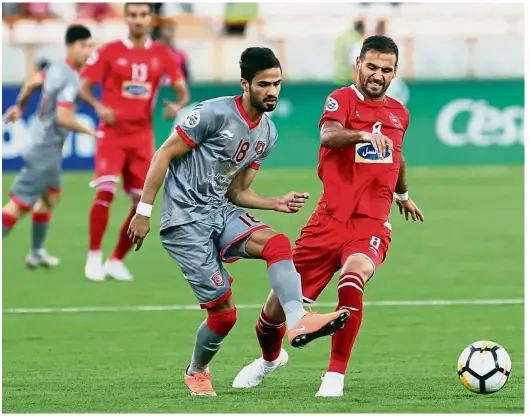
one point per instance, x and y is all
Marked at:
(470, 247)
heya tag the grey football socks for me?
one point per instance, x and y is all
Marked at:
(206, 346)
(286, 283)
(39, 229)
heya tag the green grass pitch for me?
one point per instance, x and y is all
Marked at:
(470, 247)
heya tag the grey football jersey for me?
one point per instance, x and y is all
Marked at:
(60, 87)
(225, 142)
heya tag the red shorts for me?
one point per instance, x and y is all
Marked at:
(129, 159)
(325, 244)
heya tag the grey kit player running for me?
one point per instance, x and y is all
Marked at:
(37, 186)
(209, 163)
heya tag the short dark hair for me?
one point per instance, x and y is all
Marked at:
(381, 44)
(126, 6)
(254, 60)
(75, 33)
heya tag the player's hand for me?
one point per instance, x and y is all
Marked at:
(292, 202)
(171, 110)
(380, 142)
(106, 114)
(13, 114)
(407, 208)
(138, 229)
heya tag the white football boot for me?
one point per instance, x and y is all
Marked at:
(94, 266)
(332, 385)
(252, 374)
(40, 258)
(117, 270)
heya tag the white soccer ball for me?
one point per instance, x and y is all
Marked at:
(484, 367)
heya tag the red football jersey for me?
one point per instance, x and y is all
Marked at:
(356, 181)
(129, 79)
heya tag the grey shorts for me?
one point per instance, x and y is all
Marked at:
(40, 174)
(199, 248)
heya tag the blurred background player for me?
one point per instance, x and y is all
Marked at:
(165, 34)
(130, 71)
(361, 131)
(209, 164)
(37, 187)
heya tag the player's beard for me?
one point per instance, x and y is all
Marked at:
(371, 92)
(261, 105)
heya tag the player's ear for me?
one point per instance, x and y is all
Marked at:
(395, 72)
(358, 63)
(244, 84)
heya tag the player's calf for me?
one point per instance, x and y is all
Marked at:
(41, 216)
(357, 270)
(219, 322)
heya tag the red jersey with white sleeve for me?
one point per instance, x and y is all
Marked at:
(356, 181)
(130, 77)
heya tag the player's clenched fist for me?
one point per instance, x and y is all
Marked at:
(138, 229)
(292, 202)
(380, 142)
(13, 114)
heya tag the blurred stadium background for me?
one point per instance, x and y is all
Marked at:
(461, 74)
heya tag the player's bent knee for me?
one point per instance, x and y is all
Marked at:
(51, 199)
(360, 265)
(105, 193)
(221, 322)
(277, 248)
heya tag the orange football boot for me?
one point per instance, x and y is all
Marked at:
(200, 384)
(315, 325)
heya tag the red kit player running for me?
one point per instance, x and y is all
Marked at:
(362, 170)
(130, 71)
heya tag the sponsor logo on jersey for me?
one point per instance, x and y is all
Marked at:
(260, 147)
(332, 104)
(136, 90)
(366, 153)
(217, 279)
(192, 119)
(395, 121)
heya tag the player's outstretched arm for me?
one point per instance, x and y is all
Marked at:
(334, 135)
(240, 194)
(173, 148)
(33, 82)
(66, 118)
(406, 206)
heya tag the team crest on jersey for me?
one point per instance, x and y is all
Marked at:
(122, 62)
(192, 119)
(217, 279)
(395, 121)
(229, 169)
(332, 104)
(260, 147)
(366, 153)
(93, 58)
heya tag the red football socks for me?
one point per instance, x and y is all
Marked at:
(270, 337)
(99, 218)
(124, 242)
(350, 288)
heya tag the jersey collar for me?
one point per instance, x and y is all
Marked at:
(239, 104)
(370, 102)
(128, 43)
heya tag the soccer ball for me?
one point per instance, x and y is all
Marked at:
(484, 367)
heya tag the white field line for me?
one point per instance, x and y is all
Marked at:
(89, 309)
